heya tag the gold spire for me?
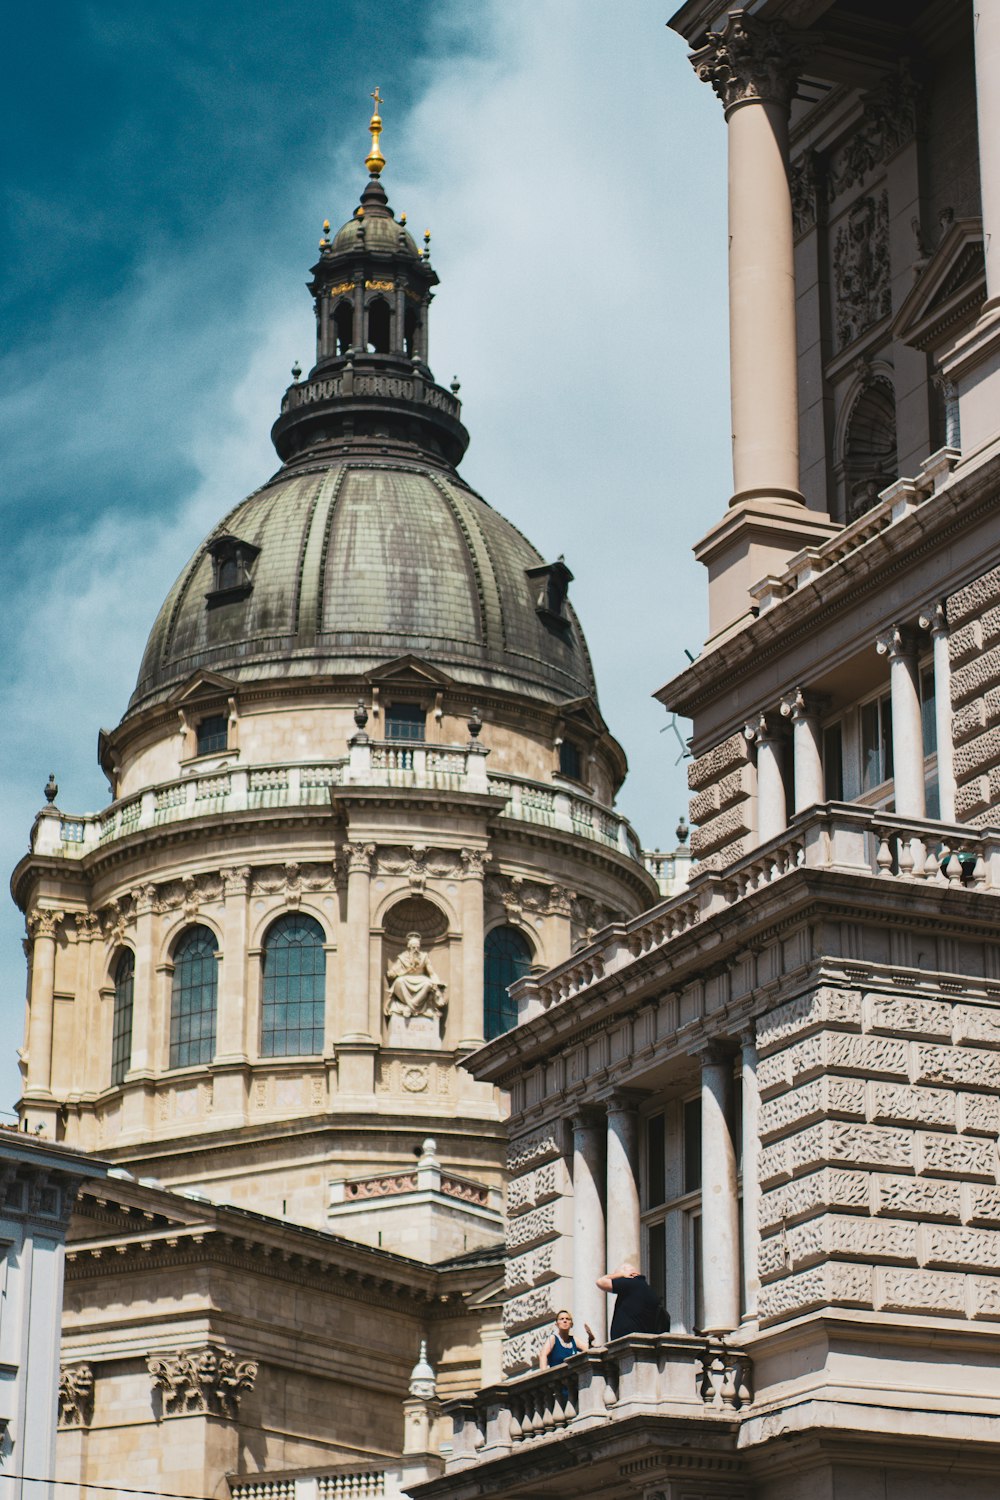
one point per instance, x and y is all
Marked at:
(375, 161)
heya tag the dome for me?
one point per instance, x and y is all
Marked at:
(348, 565)
(380, 234)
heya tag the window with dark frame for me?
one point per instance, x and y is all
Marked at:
(121, 1025)
(570, 761)
(507, 956)
(294, 990)
(213, 734)
(405, 721)
(194, 999)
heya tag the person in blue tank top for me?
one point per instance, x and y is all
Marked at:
(561, 1345)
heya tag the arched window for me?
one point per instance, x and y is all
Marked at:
(507, 954)
(193, 999)
(121, 1025)
(343, 323)
(379, 325)
(294, 984)
(870, 447)
(410, 330)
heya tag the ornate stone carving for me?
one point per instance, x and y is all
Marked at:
(888, 120)
(236, 880)
(750, 59)
(861, 268)
(43, 922)
(414, 988)
(76, 1395)
(805, 180)
(144, 899)
(360, 858)
(474, 862)
(202, 1380)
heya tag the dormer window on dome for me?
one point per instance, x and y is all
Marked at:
(232, 569)
(552, 581)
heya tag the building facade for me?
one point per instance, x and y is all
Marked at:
(363, 783)
(780, 1088)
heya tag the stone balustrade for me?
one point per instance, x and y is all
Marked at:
(229, 787)
(838, 836)
(369, 1483)
(383, 387)
(644, 1374)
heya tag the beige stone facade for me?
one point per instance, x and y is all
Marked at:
(780, 1087)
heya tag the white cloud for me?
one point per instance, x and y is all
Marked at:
(571, 169)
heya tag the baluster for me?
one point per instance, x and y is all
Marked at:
(728, 1387)
(516, 1431)
(905, 860)
(952, 867)
(884, 856)
(979, 872)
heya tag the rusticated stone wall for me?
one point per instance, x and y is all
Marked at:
(974, 649)
(879, 1161)
(721, 782)
(539, 1242)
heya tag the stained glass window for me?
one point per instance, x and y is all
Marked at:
(121, 1026)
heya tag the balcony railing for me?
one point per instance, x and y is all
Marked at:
(228, 788)
(839, 836)
(644, 1374)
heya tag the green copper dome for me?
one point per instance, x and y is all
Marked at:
(355, 564)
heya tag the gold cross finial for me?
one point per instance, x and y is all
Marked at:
(375, 161)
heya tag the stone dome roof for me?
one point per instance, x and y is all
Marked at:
(350, 564)
(380, 234)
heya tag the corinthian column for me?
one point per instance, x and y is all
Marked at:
(772, 808)
(934, 619)
(470, 1021)
(907, 729)
(751, 65)
(42, 926)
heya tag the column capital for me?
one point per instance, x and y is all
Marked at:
(623, 1101)
(748, 1035)
(765, 727)
(43, 921)
(713, 1054)
(799, 704)
(474, 862)
(360, 858)
(896, 643)
(586, 1117)
(750, 61)
(934, 618)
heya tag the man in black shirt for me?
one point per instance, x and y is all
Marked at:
(637, 1309)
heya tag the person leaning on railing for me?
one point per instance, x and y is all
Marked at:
(638, 1309)
(560, 1344)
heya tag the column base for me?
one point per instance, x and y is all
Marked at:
(756, 537)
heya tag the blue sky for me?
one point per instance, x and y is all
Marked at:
(168, 168)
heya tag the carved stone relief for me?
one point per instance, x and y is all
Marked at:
(76, 1395)
(861, 268)
(888, 121)
(202, 1380)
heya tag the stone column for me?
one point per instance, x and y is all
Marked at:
(42, 926)
(808, 748)
(144, 1059)
(589, 1305)
(231, 1043)
(751, 65)
(934, 618)
(358, 333)
(624, 1230)
(720, 1229)
(907, 731)
(987, 47)
(750, 1174)
(772, 810)
(469, 1024)
(356, 942)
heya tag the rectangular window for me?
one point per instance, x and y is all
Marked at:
(692, 1145)
(570, 761)
(876, 742)
(213, 734)
(656, 1258)
(833, 762)
(656, 1161)
(404, 721)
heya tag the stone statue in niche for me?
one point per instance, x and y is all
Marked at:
(416, 1001)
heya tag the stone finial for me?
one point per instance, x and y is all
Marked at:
(361, 716)
(51, 788)
(475, 724)
(423, 1381)
(682, 830)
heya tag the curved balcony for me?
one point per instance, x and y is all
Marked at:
(226, 789)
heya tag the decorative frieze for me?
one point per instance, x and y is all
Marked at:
(210, 1380)
(962, 1066)
(528, 1270)
(536, 1306)
(829, 1188)
(537, 1186)
(909, 1015)
(915, 1198)
(956, 1156)
(869, 1056)
(834, 1282)
(888, 121)
(538, 1224)
(812, 1011)
(76, 1395)
(539, 1145)
(861, 268)
(950, 1245)
(894, 1102)
(824, 1096)
(920, 1291)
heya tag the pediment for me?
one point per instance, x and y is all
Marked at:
(202, 684)
(946, 297)
(583, 711)
(412, 669)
